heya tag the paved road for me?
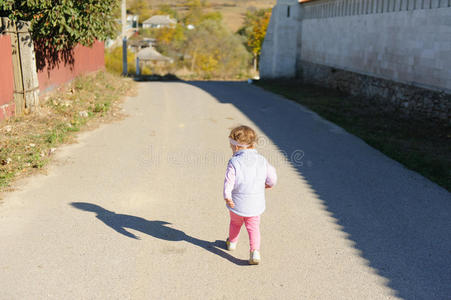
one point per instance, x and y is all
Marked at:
(135, 211)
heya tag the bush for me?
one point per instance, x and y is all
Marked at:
(113, 61)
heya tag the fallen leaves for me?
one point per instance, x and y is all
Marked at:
(28, 142)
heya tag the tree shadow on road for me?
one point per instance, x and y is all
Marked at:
(156, 229)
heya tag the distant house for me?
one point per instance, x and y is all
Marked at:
(159, 21)
(132, 21)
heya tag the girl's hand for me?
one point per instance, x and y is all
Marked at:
(230, 203)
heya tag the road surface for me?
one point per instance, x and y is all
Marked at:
(135, 210)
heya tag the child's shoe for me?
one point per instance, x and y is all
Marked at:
(231, 245)
(254, 258)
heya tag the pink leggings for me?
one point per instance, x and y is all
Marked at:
(253, 229)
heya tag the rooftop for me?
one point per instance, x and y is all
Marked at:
(161, 20)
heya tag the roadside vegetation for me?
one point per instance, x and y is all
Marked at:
(421, 145)
(64, 24)
(200, 45)
(28, 142)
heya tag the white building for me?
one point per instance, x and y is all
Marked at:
(159, 21)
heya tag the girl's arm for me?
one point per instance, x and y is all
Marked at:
(229, 182)
(271, 176)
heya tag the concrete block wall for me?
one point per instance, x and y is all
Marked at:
(398, 51)
(405, 41)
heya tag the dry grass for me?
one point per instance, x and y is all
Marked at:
(233, 11)
(28, 142)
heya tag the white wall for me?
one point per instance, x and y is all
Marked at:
(279, 50)
(407, 41)
(409, 46)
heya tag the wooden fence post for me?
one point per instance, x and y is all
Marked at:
(9, 27)
(26, 85)
(28, 64)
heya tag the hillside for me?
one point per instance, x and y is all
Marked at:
(232, 10)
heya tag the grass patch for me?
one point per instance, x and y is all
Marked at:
(28, 142)
(421, 145)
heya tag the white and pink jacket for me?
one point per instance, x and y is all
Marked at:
(246, 175)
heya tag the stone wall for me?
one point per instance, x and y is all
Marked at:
(409, 100)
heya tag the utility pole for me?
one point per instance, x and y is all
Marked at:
(124, 37)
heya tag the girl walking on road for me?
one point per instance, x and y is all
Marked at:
(248, 174)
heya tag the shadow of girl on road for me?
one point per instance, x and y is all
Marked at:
(156, 229)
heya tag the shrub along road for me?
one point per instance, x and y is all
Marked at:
(135, 210)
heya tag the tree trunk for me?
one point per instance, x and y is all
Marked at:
(193, 62)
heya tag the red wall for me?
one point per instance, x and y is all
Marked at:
(86, 59)
(6, 77)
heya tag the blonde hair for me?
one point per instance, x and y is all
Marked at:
(244, 135)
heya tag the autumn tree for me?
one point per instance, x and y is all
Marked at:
(215, 51)
(170, 40)
(254, 31)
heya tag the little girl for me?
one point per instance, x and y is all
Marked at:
(247, 175)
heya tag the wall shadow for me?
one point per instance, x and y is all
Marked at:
(48, 56)
(156, 229)
(400, 222)
(155, 77)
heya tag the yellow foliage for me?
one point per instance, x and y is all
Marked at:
(206, 62)
(258, 33)
(165, 35)
(113, 61)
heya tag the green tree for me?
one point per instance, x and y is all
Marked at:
(64, 23)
